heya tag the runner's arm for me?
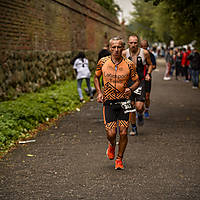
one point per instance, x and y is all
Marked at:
(98, 88)
(131, 89)
(97, 84)
(149, 63)
(135, 78)
(153, 60)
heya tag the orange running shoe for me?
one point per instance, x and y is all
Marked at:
(110, 152)
(119, 164)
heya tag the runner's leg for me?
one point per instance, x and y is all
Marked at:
(140, 109)
(132, 120)
(111, 136)
(123, 140)
(147, 101)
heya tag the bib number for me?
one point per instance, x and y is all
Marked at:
(127, 106)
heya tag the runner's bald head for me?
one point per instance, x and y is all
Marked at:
(144, 44)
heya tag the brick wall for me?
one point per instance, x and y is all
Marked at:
(48, 27)
(60, 25)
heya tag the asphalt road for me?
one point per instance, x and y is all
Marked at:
(68, 161)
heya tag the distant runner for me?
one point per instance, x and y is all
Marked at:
(144, 44)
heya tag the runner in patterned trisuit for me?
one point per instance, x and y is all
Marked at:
(116, 71)
(140, 58)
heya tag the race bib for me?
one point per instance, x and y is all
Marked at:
(127, 106)
(138, 90)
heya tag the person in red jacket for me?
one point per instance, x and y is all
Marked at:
(184, 64)
(188, 63)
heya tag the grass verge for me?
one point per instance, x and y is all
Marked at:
(21, 118)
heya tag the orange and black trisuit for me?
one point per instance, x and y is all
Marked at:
(115, 77)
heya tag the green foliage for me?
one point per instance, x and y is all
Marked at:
(110, 5)
(142, 20)
(168, 19)
(162, 23)
(18, 117)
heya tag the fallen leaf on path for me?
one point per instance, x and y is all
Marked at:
(30, 155)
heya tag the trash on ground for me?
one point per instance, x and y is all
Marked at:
(27, 141)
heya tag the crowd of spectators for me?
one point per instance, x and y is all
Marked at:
(182, 63)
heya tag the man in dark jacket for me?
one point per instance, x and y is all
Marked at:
(194, 58)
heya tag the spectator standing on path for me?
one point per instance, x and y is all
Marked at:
(154, 52)
(144, 44)
(178, 58)
(82, 72)
(184, 64)
(173, 63)
(194, 58)
(188, 64)
(104, 52)
(162, 52)
(140, 58)
(116, 71)
(169, 62)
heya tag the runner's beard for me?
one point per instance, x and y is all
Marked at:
(134, 49)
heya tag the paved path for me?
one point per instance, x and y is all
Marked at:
(68, 162)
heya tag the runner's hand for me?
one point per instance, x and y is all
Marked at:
(100, 97)
(147, 77)
(127, 92)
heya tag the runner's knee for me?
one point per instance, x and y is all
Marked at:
(111, 132)
(147, 95)
(123, 131)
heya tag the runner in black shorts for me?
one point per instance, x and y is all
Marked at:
(113, 112)
(145, 45)
(116, 71)
(140, 92)
(140, 58)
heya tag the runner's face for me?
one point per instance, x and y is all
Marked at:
(133, 43)
(144, 45)
(116, 48)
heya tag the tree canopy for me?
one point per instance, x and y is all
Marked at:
(110, 5)
(166, 20)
